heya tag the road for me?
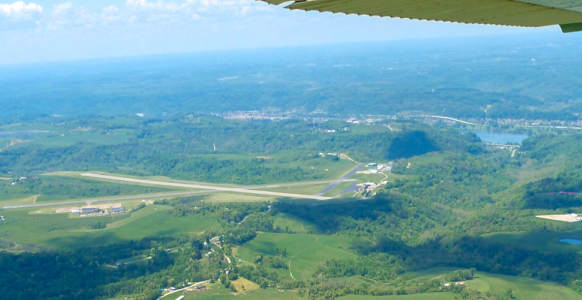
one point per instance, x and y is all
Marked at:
(344, 178)
(204, 187)
(448, 118)
(192, 285)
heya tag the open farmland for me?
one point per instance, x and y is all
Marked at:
(60, 231)
(304, 252)
(523, 288)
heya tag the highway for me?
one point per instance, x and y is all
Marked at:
(204, 187)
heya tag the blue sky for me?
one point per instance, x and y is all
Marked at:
(45, 30)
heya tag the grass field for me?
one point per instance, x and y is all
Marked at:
(60, 231)
(547, 241)
(338, 189)
(304, 252)
(218, 292)
(523, 288)
(302, 190)
(295, 224)
(430, 296)
(244, 286)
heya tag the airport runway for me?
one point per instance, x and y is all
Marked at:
(337, 182)
(204, 187)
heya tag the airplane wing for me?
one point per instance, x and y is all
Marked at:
(522, 13)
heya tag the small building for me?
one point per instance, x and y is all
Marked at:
(199, 287)
(75, 212)
(118, 210)
(372, 164)
(89, 210)
(118, 263)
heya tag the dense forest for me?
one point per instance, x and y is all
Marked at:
(183, 148)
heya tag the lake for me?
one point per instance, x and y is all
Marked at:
(500, 137)
(571, 241)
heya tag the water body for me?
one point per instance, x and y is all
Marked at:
(20, 133)
(571, 241)
(500, 137)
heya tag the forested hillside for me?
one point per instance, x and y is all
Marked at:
(183, 148)
(464, 77)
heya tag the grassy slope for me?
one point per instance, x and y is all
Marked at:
(295, 224)
(305, 252)
(546, 241)
(150, 221)
(523, 288)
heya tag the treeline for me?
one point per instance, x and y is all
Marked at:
(177, 148)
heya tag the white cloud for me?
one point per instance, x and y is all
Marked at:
(62, 9)
(112, 9)
(20, 10)
(160, 5)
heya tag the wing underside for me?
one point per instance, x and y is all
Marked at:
(531, 13)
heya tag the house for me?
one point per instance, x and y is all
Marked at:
(89, 210)
(200, 287)
(372, 164)
(118, 263)
(117, 210)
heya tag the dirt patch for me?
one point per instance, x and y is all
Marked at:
(564, 218)
(100, 207)
(5, 178)
(265, 157)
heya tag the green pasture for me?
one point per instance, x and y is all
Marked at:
(60, 231)
(218, 292)
(523, 288)
(545, 241)
(429, 158)
(295, 224)
(304, 252)
(362, 178)
(428, 296)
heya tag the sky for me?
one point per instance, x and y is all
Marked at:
(48, 30)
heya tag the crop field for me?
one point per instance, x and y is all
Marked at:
(304, 252)
(60, 231)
